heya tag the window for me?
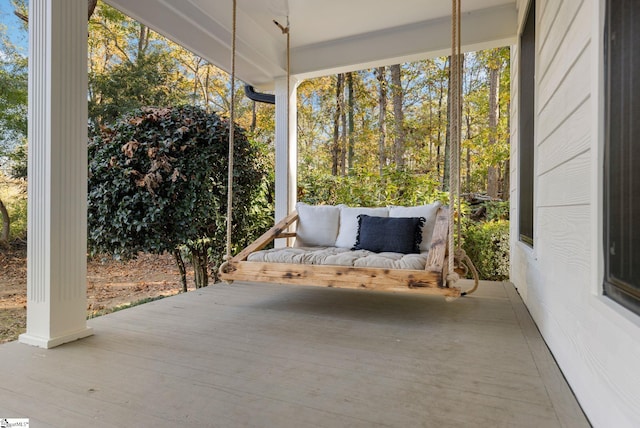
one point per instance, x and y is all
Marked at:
(526, 125)
(622, 154)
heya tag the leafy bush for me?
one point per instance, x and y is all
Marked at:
(158, 182)
(487, 244)
(365, 188)
(18, 213)
(497, 210)
(14, 195)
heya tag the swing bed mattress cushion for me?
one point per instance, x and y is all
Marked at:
(337, 256)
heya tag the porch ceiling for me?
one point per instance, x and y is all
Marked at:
(327, 36)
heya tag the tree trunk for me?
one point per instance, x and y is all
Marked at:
(195, 82)
(181, 268)
(506, 184)
(430, 128)
(382, 127)
(468, 174)
(143, 40)
(335, 150)
(254, 116)
(351, 124)
(206, 89)
(438, 160)
(447, 140)
(398, 114)
(492, 170)
(440, 97)
(469, 136)
(200, 260)
(343, 137)
(6, 224)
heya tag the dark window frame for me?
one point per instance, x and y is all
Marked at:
(526, 129)
(621, 159)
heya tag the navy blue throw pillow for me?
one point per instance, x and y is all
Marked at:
(389, 234)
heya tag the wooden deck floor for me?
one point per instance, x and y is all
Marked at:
(279, 356)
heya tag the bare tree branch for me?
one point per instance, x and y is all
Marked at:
(23, 17)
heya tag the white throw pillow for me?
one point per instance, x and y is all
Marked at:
(349, 223)
(429, 212)
(317, 225)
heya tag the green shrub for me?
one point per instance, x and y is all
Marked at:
(14, 195)
(497, 210)
(18, 213)
(158, 182)
(369, 189)
(487, 244)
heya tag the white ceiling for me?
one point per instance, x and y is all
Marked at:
(327, 36)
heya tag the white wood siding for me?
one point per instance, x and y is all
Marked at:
(596, 342)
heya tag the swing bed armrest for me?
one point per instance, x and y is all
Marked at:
(436, 259)
(277, 231)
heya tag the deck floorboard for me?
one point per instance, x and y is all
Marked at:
(265, 355)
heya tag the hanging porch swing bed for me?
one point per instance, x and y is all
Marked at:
(393, 249)
(340, 246)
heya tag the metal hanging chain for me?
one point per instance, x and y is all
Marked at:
(231, 133)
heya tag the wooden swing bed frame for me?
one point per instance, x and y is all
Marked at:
(431, 280)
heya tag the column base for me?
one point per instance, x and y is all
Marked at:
(46, 343)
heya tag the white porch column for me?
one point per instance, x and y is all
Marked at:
(57, 201)
(286, 149)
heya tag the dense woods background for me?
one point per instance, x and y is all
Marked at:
(368, 137)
